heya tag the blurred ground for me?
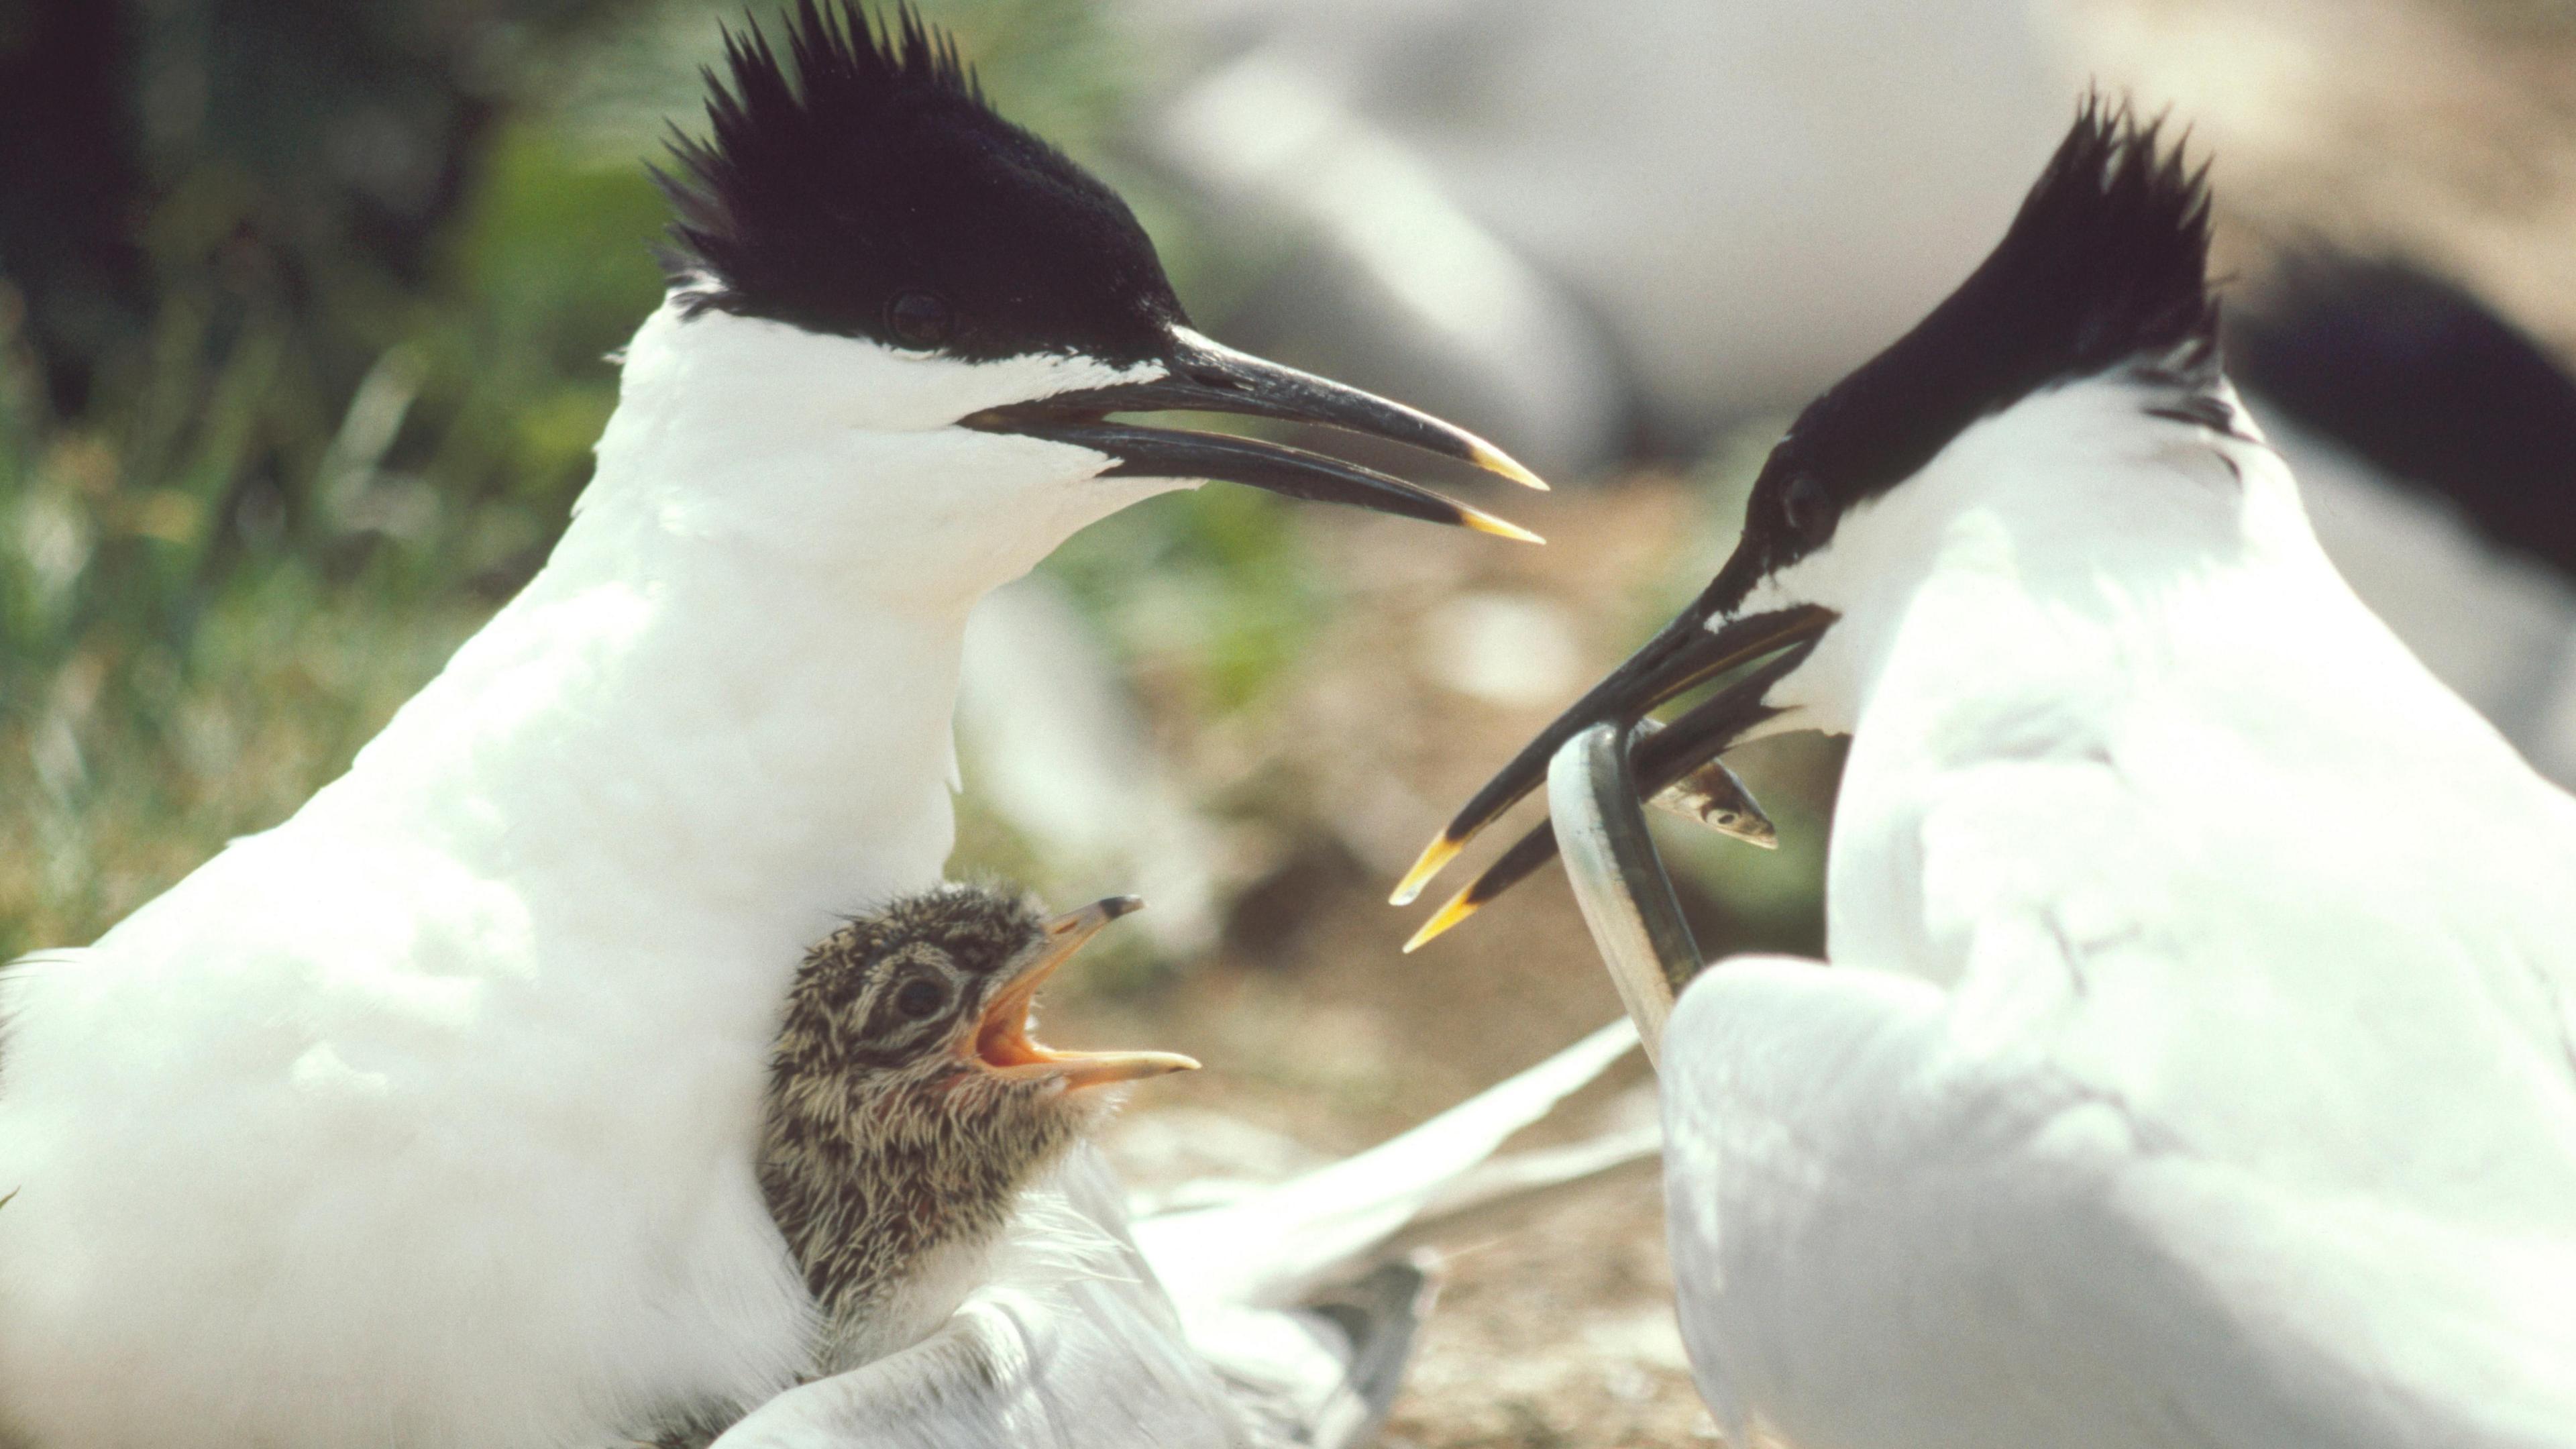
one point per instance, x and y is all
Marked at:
(218, 580)
(1555, 1328)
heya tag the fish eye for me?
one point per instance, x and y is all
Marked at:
(1805, 508)
(919, 999)
(918, 319)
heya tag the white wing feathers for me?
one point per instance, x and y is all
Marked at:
(1313, 1226)
(1863, 1195)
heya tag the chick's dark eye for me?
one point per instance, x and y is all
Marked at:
(1806, 510)
(918, 319)
(920, 1000)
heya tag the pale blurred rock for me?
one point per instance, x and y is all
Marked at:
(1517, 650)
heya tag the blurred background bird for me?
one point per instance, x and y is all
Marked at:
(311, 303)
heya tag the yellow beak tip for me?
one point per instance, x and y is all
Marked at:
(1458, 909)
(1494, 460)
(1500, 528)
(1437, 855)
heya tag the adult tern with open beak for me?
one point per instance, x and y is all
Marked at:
(2172, 1083)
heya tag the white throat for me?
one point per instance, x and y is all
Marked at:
(730, 688)
(2038, 536)
(2074, 586)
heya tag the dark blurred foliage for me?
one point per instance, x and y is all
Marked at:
(262, 259)
(71, 183)
(268, 155)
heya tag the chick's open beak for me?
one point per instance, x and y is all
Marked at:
(1002, 1040)
(1203, 375)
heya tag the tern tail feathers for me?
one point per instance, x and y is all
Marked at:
(1318, 1365)
(1322, 1223)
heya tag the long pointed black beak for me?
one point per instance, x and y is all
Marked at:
(1682, 656)
(1203, 375)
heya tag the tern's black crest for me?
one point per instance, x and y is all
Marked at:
(862, 186)
(2105, 266)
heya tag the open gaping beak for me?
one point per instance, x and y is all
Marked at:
(1682, 656)
(1002, 1038)
(1203, 375)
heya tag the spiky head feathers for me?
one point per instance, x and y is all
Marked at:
(862, 186)
(2105, 266)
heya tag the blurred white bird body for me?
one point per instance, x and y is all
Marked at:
(2173, 1085)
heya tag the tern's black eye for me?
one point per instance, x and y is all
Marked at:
(920, 1000)
(1806, 509)
(918, 319)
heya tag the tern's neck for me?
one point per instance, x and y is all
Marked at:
(730, 734)
(726, 699)
(2074, 553)
(2072, 599)
(710, 729)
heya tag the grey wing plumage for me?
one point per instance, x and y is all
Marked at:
(1326, 1374)
(1316, 1356)
(1382, 1316)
